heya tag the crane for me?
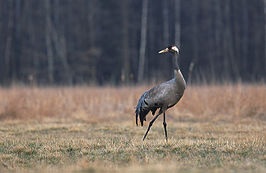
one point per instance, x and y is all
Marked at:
(162, 96)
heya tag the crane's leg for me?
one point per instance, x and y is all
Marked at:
(150, 124)
(164, 125)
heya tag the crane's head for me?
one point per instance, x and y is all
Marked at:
(171, 49)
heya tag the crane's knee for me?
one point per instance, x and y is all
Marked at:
(164, 124)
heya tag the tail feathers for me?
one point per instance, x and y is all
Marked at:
(143, 109)
(142, 116)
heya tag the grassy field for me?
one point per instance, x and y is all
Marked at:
(90, 129)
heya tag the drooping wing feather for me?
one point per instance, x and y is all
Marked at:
(157, 97)
(142, 109)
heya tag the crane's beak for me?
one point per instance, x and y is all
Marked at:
(164, 50)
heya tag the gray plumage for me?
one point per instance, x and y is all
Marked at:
(162, 96)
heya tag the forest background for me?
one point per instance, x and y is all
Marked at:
(98, 42)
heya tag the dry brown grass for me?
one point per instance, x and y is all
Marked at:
(216, 128)
(82, 103)
(96, 104)
(236, 101)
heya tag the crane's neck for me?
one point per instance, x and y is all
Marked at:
(177, 73)
(175, 59)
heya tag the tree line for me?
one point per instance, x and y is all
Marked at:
(65, 42)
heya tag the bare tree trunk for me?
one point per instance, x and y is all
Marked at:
(265, 32)
(49, 47)
(92, 6)
(125, 48)
(60, 45)
(177, 22)
(18, 63)
(164, 64)
(165, 22)
(195, 40)
(245, 48)
(218, 32)
(33, 39)
(8, 46)
(143, 40)
(91, 23)
(218, 28)
(228, 43)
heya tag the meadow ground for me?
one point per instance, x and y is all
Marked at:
(92, 129)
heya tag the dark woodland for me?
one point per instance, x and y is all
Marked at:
(116, 42)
